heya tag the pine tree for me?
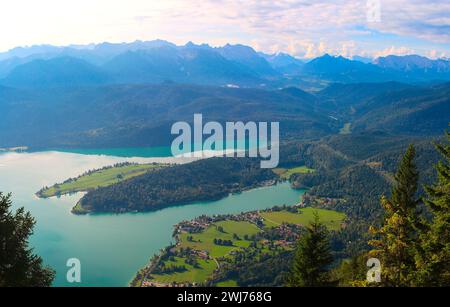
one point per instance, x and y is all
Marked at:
(312, 258)
(434, 259)
(395, 241)
(351, 272)
(19, 267)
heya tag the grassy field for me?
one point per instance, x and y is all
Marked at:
(331, 219)
(225, 230)
(99, 178)
(286, 173)
(198, 275)
(205, 240)
(227, 283)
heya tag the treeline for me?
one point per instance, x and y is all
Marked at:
(19, 266)
(204, 180)
(408, 247)
(354, 170)
(408, 241)
(251, 268)
(223, 242)
(363, 172)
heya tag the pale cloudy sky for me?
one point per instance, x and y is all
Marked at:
(299, 27)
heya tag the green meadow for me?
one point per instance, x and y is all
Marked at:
(332, 219)
(228, 230)
(193, 274)
(227, 283)
(204, 241)
(286, 173)
(99, 178)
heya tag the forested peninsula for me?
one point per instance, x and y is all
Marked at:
(204, 180)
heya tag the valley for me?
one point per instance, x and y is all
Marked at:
(337, 172)
(89, 129)
(117, 116)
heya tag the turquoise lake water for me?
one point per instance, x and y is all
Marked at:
(111, 248)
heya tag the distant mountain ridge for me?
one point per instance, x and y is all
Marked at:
(284, 63)
(413, 62)
(248, 57)
(231, 65)
(60, 71)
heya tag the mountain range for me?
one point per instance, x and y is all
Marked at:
(117, 95)
(231, 65)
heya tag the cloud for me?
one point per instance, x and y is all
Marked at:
(394, 51)
(309, 28)
(427, 20)
(435, 54)
(303, 28)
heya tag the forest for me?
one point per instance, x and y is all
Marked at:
(401, 220)
(204, 180)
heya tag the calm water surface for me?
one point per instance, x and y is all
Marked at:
(111, 248)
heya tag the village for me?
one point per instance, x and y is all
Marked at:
(207, 244)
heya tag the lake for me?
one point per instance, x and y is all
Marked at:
(111, 247)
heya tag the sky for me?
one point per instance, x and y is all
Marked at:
(305, 29)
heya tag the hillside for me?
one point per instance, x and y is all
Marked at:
(56, 72)
(210, 250)
(141, 115)
(351, 173)
(191, 64)
(391, 107)
(411, 111)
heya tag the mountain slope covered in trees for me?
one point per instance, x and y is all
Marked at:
(141, 115)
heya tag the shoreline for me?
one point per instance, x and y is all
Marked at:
(50, 167)
(82, 211)
(198, 225)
